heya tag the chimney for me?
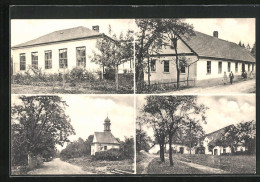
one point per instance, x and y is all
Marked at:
(95, 28)
(215, 34)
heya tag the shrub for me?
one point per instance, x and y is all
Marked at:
(109, 74)
(77, 74)
(112, 155)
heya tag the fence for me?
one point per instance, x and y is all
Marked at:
(164, 85)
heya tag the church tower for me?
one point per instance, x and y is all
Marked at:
(107, 124)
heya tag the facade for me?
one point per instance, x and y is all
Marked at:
(105, 140)
(60, 51)
(208, 58)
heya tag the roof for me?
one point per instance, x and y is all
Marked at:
(62, 35)
(214, 136)
(105, 137)
(209, 46)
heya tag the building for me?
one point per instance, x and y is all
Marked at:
(105, 140)
(208, 58)
(60, 51)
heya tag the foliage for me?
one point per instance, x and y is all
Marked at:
(111, 155)
(77, 148)
(126, 148)
(38, 124)
(253, 50)
(79, 74)
(173, 113)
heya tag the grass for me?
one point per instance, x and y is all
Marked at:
(245, 164)
(90, 87)
(93, 166)
(158, 167)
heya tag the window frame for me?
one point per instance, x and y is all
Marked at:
(153, 65)
(168, 62)
(208, 67)
(79, 57)
(219, 67)
(22, 64)
(34, 61)
(62, 59)
(229, 66)
(48, 61)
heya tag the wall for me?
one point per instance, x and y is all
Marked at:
(96, 147)
(71, 55)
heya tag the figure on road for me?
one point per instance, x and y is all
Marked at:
(231, 77)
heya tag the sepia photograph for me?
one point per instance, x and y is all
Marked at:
(72, 56)
(193, 56)
(196, 134)
(72, 135)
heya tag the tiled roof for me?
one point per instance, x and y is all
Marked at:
(105, 137)
(61, 35)
(210, 46)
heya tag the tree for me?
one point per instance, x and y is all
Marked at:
(127, 148)
(173, 112)
(149, 33)
(38, 124)
(111, 52)
(240, 44)
(142, 139)
(176, 28)
(253, 50)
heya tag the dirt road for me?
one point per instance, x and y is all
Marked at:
(57, 166)
(248, 86)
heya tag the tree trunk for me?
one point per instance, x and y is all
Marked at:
(116, 77)
(103, 71)
(162, 151)
(170, 150)
(177, 66)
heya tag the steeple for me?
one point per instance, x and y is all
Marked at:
(107, 124)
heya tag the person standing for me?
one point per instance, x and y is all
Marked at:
(231, 77)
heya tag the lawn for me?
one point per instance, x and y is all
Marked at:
(98, 167)
(233, 164)
(91, 87)
(157, 167)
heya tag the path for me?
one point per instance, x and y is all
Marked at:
(236, 88)
(57, 166)
(147, 161)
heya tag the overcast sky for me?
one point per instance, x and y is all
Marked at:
(88, 113)
(23, 30)
(223, 110)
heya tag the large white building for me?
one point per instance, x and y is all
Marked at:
(208, 57)
(60, 51)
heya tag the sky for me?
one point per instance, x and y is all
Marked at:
(87, 114)
(23, 30)
(222, 110)
(231, 29)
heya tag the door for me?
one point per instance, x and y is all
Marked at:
(243, 67)
(181, 150)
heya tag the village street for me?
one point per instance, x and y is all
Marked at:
(236, 88)
(57, 166)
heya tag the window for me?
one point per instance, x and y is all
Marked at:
(63, 61)
(220, 67)
(81, 56)
(208, 67)
(182, 69)
(236, 67)
(166, 66)
(48, 59)
(229, 64)
(248, 67)
(153, 65)
(105, 147)
(224, 150)
(22, 61)
(35, 60)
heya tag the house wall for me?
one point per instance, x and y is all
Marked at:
(90, 45)
(97, 147)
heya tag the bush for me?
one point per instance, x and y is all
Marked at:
(109, 74)
(112, 155)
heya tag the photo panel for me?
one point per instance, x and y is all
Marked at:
(195, 134)
(72, 135)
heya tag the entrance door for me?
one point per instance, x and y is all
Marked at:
(243, 67)
(181, 150)
(215, 151)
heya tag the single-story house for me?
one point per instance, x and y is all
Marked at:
(61, 51)
(208, 59)
(105, 140)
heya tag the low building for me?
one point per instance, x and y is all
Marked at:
(208, 59)
(105, 140)
(61, 51)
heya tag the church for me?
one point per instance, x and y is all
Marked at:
(105, 140)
